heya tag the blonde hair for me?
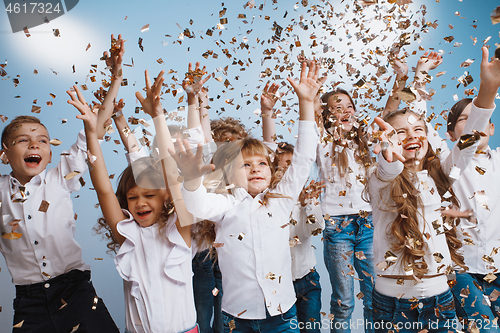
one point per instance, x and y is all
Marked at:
(226, 125)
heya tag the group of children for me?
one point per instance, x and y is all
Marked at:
(239, 212)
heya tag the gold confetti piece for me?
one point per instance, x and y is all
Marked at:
(241, 235)
(11, 235)
(477, 285)
(20, 324)
(55, 142)
(494, 295)
(481, 171)
(342, 193)
(360, 295)
(75, 328)
(98, 258)
(407, 95)
(64, 304)
(44, 206)
(218, 245)
(360, 255)
(88, 47)
(311, 219)
(56, 32)
(490, 277)
(438, 257)
(26, 31)
(215, 292)
(271, 276)
(71, 175)
(36, 109)
(145, 28)
(389, 256)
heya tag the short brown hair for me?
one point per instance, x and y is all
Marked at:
(224, 125)
(14, 125)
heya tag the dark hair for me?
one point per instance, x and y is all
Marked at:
(144, 172)
(455, 112)
(357, 135)
(14, 125)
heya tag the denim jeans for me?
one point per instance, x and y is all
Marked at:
(283, 323)
(474, 305)
(343, 243)
(308, 304)
(206, 277)
(436, 314)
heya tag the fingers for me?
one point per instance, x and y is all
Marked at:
(486, 55)
(202, 82)
(148, 80)
(138, 95)
(292, 83)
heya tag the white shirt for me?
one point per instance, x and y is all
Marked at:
(485, 235)
(254, 257)
(301, 248)
(429, 213)
(157, 278)
(342, 194)
(47, 247)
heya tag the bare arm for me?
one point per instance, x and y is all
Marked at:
(267, 101)
(110, 207)
(115, 62)
(401, 70)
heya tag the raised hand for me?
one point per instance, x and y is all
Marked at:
(490, 81)
(152, 103)
(88, 116)
(400, 67)
(268, 98)
(114, 58)
(312, 191)
(191, 165)
(194, 81)
(428, 61)
(389, 142)
(309, 83)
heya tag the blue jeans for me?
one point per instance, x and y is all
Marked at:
(283, 323)
(308, 304)
(343, 242)
(470, 312)
(206, 277)
(436, 314)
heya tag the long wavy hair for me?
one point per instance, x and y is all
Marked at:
(143, 172)
(409, 240)
(357, 136)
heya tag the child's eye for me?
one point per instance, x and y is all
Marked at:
(43, 141)
(22, 140)
(263, 163)
(401, 132)
(246, 165)
(150, 195)
(131, 198)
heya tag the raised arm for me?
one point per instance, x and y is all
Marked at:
(152, 106)
(401, 69)
(267, 101)
(204, 115)
(114, 62)
(427, 62)
(110, 207)
(193, 84)
(490, 81)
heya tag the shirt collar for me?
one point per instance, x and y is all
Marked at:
(35, 181)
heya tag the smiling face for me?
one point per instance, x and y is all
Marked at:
(342, 109)
(459, 128)
(411, 132)
(146, 205)
(253, 173)
(28, 151)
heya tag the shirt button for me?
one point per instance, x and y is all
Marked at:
(36, 242)
(47, 285)
(420, 305)
(29, 217)
(44, 264)
(27, 192)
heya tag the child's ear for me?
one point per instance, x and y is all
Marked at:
(3, 157)
(451, 134)
(492, 129)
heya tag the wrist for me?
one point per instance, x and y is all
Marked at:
(117, 114)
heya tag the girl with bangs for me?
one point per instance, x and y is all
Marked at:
(410, 187)
(252, 237)
(342, 157)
